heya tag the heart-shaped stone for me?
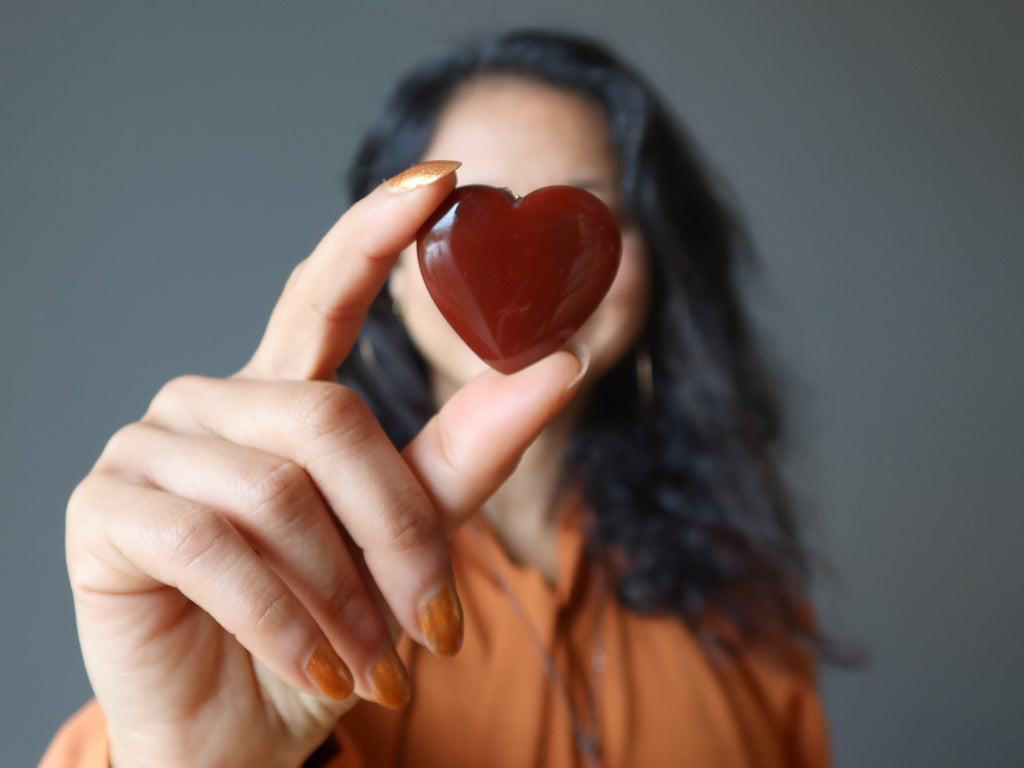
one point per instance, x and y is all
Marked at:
(517, 276)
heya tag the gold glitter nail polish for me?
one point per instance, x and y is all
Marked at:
(389, 682)
(422, 174)
(440, 619)
(329, 673)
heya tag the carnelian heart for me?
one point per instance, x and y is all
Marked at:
(517, 276)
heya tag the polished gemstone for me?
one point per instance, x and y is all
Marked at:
(517, 276)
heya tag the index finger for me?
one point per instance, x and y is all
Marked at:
(321, 310)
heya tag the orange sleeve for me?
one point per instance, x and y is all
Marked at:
(811, 740)
(801, 713)
(811, 744)
(81, 742)
(788, 686)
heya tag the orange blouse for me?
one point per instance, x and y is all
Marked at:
(657, 696)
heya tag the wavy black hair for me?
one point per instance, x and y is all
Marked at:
(681, 476)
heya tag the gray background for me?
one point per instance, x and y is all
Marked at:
(163, 164)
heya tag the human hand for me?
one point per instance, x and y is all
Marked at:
(237, 555)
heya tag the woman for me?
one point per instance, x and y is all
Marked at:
(631, 592)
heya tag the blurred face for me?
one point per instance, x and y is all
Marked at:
(517, 133)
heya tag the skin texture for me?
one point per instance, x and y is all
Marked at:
(517, 277)
(204, 548)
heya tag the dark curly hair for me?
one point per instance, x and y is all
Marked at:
(682, 476)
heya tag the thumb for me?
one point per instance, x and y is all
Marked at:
(471, 446)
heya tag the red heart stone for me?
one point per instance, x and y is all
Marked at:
(517, 276)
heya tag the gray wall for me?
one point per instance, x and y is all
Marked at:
(163, 164)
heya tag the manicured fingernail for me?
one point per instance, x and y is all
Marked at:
(329, 673)
(389, 682)
(441, 621)
(422, 174)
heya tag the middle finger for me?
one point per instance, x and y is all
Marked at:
(328, 431)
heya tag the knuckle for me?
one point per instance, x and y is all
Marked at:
(85, 528)
(193, 535)
(173, 393)
(296, 274)
(325, 304)
(410, 526)
(269, 490)
(268, 607)
(339, 597)
(92, 495)
(83, 499)
(121, 444)
(330, 409)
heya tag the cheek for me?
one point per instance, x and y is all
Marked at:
(421, 316)
(407, 286)
(632, 283)
(614, 327)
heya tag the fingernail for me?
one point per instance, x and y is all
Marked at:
(582, 354)
(389, 682)
(441, 621)
(422, 174)
(329, 673)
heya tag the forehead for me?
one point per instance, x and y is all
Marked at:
(514, 132)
